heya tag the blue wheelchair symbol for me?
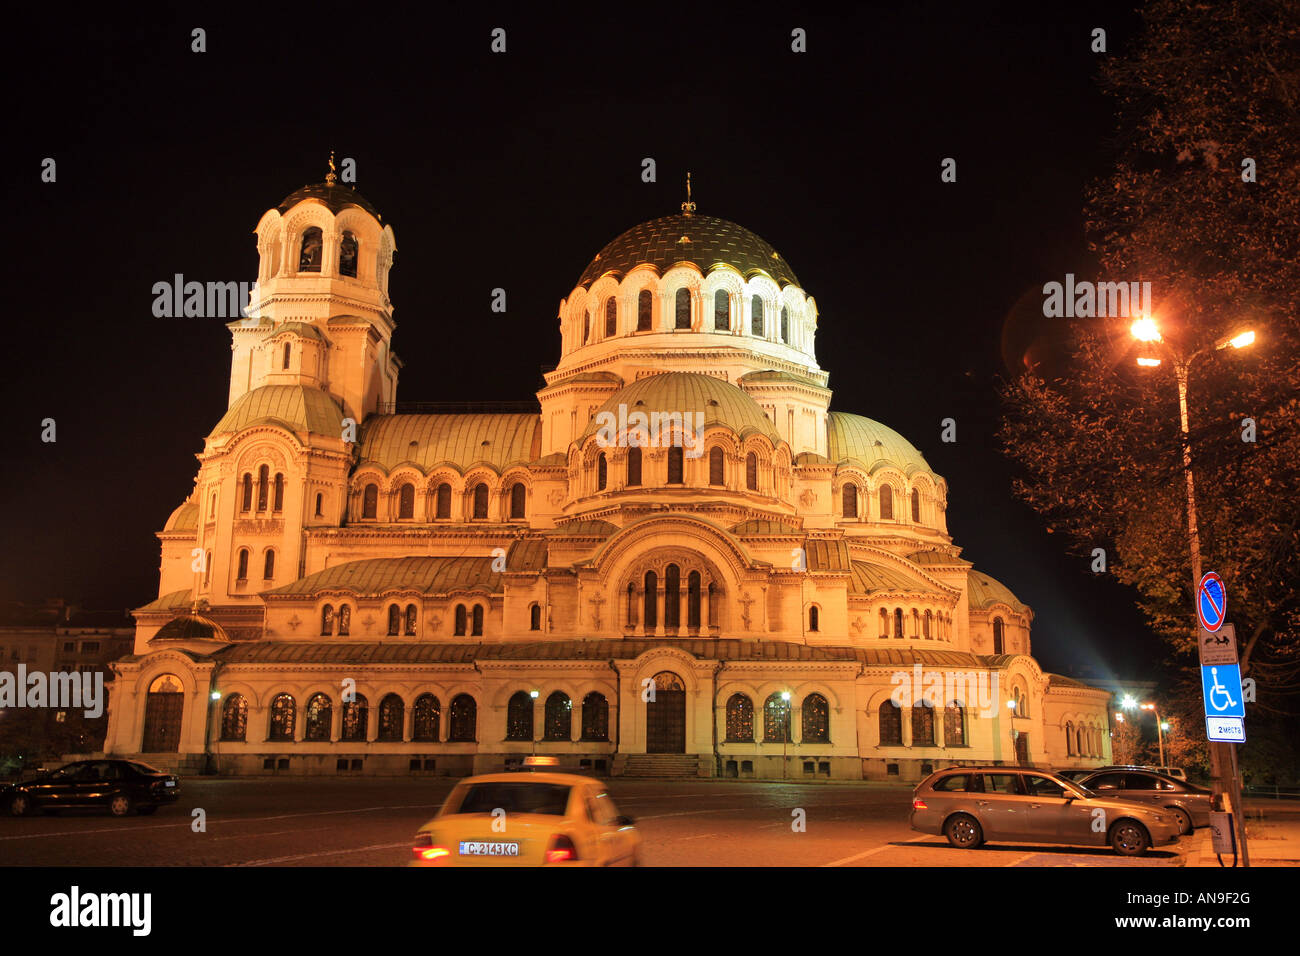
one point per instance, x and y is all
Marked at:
(1221, 688)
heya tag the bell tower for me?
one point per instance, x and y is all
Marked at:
(320, 315)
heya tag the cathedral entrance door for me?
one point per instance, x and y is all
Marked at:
(162, 716)
(665, 716)
(1022, 749)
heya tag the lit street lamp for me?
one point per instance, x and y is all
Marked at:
(1161, 727)
(785, 737)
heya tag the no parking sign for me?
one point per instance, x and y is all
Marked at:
(1211, 601)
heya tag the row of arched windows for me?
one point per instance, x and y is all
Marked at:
(241, 564)
(270, 495)
(354, 724)
(311, 252)
(664, 595)
(557, 719)
(1083, 740)
(891, 725)
(928, 625)
(816, 719)
(476, 499)
(468, 620)
(330, 618)
(852, 501)
(676, 468)
(682, 301)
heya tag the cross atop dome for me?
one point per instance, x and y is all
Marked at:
(688, 207)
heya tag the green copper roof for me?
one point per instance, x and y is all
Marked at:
(172, 601)
(773, 526)
(868, 443)
(983, 591)
(462, 440)
(190, 627)
(375, 576)
(184, 518)
(930, 559)
(334, 196)
(686, 393)
(296, 407)
(868, 578)
(827, 555)
(712, 242)
(304, 329)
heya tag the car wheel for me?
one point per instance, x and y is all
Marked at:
(119, 805)
(963, 831)
(1183, 818)
(145, 811)
(19, 805)
(1129, 838)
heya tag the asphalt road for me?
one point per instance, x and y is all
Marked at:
(369, 822)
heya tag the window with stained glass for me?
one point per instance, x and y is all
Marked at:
(320, 713)
(356, 719)
(234, 718)
(776, 720)
(816, 720)
(558, 719)
(424, 718)
(740, 719)
(519, 717)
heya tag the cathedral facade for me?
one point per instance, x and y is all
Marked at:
(681, 562)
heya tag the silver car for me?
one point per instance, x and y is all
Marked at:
(1187, 803)
(972, 805)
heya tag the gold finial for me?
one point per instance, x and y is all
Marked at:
(331, 178)
(688, 207)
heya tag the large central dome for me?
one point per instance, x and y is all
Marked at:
(703, 240)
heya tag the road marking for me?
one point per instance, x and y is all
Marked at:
(866, 853)
(1020, 859)
(310, 856)
(700, 837)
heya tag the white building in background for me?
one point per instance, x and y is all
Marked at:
(746, 592)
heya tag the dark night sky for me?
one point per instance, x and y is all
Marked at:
(513, 171)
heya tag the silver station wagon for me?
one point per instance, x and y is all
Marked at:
(974, 805)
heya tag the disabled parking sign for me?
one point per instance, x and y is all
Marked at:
(1211, 601)
(1225, 704)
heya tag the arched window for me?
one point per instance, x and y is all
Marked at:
(535, 617)
(929, 621)
(268, 565)
(586, 328)
(1078, 740)
(519, 716)
(672, 596)
(212, 505)
(476, 621)
(916, 623)
(675, 464)
(816, 720)
(277, 498)
(356, 718)
(464, 718)
(631, 604)
(891, 724)
(693, 599)
(207, 568)
(480, 501)
(442, 500)
(601, 472)
(287, 350)
(922, 724)
(406, 501)
(246, 501)
(954, 725)
(886, 503)
(785, 325)
(1069, 738)
(283, 717)
(394, 620)
(320, 503)
(348, 255)
(740, 719)
(595, 717)
(611, 317)
(424, 717)
(644, 311)
(756, 316)
(716, 471)
(916, 506)
(557, 722)
(518, 499)
(320, 716)
(310, 256)
(411, 615)
(633, 466)
(998, 643)
(884, 622)
(370, 502)
(242, 574)
(722, 311)
(850, 496)
(683, 309)
(751, 471)
(234, 718)
(263, 483)
(392, 714)
(898, 622)
(776, 720)
(345, 619)
(814, 616)
(462, 620)
(650, 613)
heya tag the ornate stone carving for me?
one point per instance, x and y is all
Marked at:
(596, 601)
(555, 497)
(858, 625)
(746, 600)
(808, 498)
(294, 622)
(259, 526)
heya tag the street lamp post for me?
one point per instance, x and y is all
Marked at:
(1146, 330)
(1160, 730)
(785, 737)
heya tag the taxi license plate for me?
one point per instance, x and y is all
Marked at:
(477, 848)
(169, 783)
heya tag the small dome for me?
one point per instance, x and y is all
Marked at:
(866, 442)
(295, 407)
(191, 627)
(685, 394)
(703, 240)
(334, 196)
(184, 518)
(983, 591)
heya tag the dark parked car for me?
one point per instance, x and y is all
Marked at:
(1075, 773)
(1189, 804)
(119, 785)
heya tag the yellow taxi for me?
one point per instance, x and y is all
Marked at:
(535, 818)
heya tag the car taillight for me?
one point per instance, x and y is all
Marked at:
(919, 804)
(423, 848)
(562, 850)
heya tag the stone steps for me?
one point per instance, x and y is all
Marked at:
(661, 766)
